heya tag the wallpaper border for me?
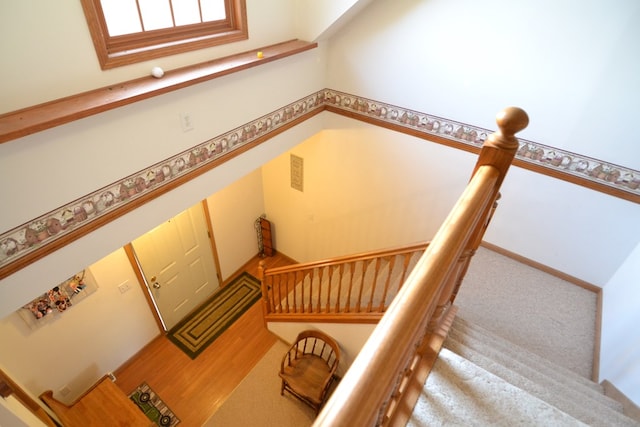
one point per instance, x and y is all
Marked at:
(40, 236)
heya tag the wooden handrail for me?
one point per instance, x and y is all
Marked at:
(348, 258)
(368, 393)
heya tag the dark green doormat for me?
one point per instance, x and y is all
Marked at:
(195, 332)
(153, 407)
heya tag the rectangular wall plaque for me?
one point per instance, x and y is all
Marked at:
(297, 172)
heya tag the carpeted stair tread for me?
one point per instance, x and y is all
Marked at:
(586, 410)
(524, 363)
(458, 392)
(519, 353)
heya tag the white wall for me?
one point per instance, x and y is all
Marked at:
(365, 188)
(572, 72)
(233, 212)
(14, 414)
(620, 343)
(320, 20)
(93, 337)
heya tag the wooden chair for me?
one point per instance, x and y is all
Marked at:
(309, 368)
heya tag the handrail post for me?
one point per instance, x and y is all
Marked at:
(263, 286)
(498, 151)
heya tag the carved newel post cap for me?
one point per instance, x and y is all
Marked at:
(510, 121)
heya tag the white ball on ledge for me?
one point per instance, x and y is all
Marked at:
(157, 72)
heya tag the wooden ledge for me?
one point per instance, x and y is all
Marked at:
(40, 117)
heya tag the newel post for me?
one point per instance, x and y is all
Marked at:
(263, 286)
(498, 151)
(501, 146)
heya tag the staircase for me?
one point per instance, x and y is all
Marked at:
(476, 378)
(481, 379)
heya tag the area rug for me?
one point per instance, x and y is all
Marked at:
(194, 333)
(153, 407)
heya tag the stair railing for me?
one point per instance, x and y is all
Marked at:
(353, 288)
(388, 368)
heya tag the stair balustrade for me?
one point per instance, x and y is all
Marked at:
(345, 289)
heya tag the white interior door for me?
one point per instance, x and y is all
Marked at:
(177, 262)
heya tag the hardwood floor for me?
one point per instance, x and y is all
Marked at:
(195, 389)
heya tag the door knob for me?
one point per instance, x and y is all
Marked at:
(156, 285)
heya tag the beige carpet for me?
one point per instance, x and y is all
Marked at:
(548, 316)
(256, 402)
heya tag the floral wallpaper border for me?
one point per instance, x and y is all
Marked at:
(611, 175)
(29, 237)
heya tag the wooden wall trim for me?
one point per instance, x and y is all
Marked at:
(44, 116)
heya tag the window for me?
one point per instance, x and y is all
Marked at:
(129, 31)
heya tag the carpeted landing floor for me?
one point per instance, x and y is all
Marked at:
(546, 315)
(256, 402)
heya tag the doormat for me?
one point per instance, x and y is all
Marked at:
(194, 333)
(153, 407)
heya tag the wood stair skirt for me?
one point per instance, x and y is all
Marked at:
(481, 379)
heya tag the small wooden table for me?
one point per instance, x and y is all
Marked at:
(102, 405)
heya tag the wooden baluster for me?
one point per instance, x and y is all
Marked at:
(452, 283)
(303, 290)
(352, 267)
(293, 293)
(466, 260)
(312, 276)
(327, 305)
(319, 299)
(391, 264)
(274, 290)
(283, 291)
(365, 265)
(284, 286)
(340, 269)
(374, 284)
(405, 267)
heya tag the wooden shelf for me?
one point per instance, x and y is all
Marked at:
(34, 119)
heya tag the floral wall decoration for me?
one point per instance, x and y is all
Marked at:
(33, 235)
(58, 300)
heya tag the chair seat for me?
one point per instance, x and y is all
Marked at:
(307, 375)
(308, 368)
